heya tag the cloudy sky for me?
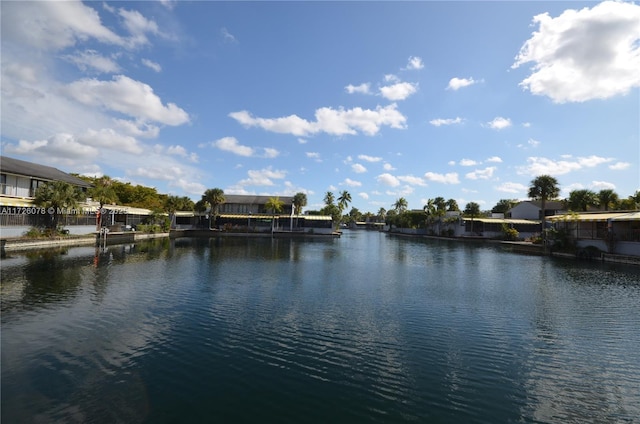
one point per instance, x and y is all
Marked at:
(464, 100)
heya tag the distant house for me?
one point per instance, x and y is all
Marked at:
(18, 183)
(249, 213)
(533, 209)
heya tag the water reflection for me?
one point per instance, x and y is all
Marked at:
(362, 328)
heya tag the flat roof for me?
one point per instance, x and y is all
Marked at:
(593, 217)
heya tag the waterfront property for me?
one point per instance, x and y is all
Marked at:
(18, 182)
(532, 210)
(611, 232)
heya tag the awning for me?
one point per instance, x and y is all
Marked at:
(631, 216)
(587, 217)
(269, 216)
(16, 202)
(504, 221)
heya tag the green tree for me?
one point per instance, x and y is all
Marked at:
(344, 200)
(172, 204)
(400, 205)
(354, 215)
(452, 205)
(275, 205)
(329, 198)
(213, 197)
(57, 197)
(103, 193)
(299, 202)
(472, 210)
(581, 200)
(543, 188)
(631, 202)
(382, 214)
(608, 198)
(504, 205)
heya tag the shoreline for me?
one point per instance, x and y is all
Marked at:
(25, 244)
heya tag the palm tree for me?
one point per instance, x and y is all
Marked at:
(213, 197)
(57, 197)
(328, 198)
(274, 204)
(103, 193)
(430, 210)
(400, 205)
(382, 213)
(543, 188)
(344, 200)
(472, 209)
(452, 205)
(608, 197)
(299, 202)
(580, 200)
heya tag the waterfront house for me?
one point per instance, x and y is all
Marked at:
(613, 232)
(18, 182)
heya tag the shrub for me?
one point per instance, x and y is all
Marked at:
(509, 233)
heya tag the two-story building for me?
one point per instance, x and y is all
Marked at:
(18, 183)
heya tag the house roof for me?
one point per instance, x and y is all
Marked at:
(246, 199)
(39, 172)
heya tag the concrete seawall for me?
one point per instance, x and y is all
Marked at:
(18, 244)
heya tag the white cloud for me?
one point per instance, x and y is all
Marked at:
(513, 188)
(358, 169)
(399, 91)
(410, 179)
(363, 195)
(230, 144)
(62, 146)
(391, 78)
(602, 185)
(619, 166)
(330, 121)
(54, 25)
(152, 65)
(449, 121)
(314, 155)
(457, 83)
(584, 54)
(414, 63)
(369, 158)
(545, 166)
(494, 159)
(110, 139)
(499, 123)
(262, 177)
(388, 167)
(388, 180)
(138, 128)
(481, 174)
(138, 26)
(227, 36)
(448, 178)
(270, 153)
(467, 162)
(364, 88)
(92, 60)
(352, 183)
(127, 96)
(451, 163)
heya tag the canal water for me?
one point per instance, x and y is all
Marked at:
(364, 328)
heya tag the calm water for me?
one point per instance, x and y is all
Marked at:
(365, 328)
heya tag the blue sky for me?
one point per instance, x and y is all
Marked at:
(464, 100)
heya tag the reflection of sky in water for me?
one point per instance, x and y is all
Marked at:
(368, 326)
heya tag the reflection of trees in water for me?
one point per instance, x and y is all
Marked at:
(47, 277)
